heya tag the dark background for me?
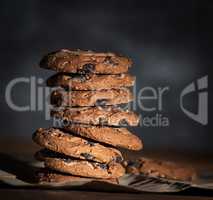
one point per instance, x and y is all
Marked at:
(169, 42)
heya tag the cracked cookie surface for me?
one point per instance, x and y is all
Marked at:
(65, 143)
(107, 116)
(45, 175)
(64, 98)
(90, 81)
(83, 62)
(118, 137)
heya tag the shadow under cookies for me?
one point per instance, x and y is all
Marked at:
(20, 169)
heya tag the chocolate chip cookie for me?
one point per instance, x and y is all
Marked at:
(108, 115)
(61, 97)
(85, 62)
(45, 175)
(65, 143)
(90, 81)
(159, 168)
(118, 137)
(66, 164)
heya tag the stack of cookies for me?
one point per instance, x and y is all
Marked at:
(90, 89)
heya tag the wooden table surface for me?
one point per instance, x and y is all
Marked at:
(85, 195)
(21, 149)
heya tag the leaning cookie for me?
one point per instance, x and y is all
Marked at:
(45, 176)
(85, 62)
(61, 97)
(65, 143)
(108, 115)
(118, 137)
(159, 168)
(90, 81)
(66, 164)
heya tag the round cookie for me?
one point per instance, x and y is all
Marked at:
(159, 168)
(62, 142)
(108, 115)
(61, 97)
(82, 168)
(120, 137)
(45, 176)
(90, 81)
(85, 62)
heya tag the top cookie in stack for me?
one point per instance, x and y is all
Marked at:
(93, 83)
(83, 62)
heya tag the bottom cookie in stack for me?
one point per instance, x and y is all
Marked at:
(84, 168)
(76, 156)
(45, 176)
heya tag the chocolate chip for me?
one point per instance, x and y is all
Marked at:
(103, 121)
(102, 166)
(87, 156)
(87, 68)
(123, 122)
(92, 144)
(65, 122)
(118, 159)
(108, 61)
(101, 102)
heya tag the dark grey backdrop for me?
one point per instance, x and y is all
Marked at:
(169, 42)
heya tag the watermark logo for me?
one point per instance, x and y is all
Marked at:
(150, 100)
(39, 95)
(202, 111)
